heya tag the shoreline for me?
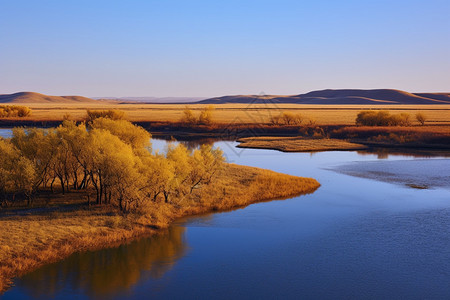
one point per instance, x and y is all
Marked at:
(430, 137)
(104, 229)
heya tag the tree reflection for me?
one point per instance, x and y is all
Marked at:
(109, 271)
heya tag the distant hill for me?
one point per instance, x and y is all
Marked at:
(335, 97)
(30, 97)
(348, 96)
(153, 99)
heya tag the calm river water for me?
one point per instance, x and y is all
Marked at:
(362, 234)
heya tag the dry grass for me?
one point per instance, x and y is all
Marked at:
(237, 113)
(28, 242)
(298, 144)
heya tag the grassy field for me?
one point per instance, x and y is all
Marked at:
(30, 241)
(239, 113)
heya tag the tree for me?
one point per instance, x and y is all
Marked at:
(75, 142)
(110, 162)
(34, 145)
(158, 173)
(112, 158)
(205, 163)
(179, 157)
(17, 173)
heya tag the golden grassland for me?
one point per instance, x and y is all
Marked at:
(236, 113)
(298, 144)
(27, 242)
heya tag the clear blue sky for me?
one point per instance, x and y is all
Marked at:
(211, 48)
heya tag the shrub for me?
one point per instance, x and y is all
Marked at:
(204, 118)
(112, 114)
(188, 116)
(382, 118)
(287, 118)
(11, 111)
(421, 118)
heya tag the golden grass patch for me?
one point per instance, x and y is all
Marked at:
(298, 144)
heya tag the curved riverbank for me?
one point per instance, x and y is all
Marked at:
(28, 242)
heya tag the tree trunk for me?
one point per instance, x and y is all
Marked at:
(61, 180)
(166, 197)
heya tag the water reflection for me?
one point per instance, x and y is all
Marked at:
(384, 153)
(109, 271)
(191, 143)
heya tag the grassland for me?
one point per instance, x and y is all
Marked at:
(232, 121)
(30, 241)
(298, 144)
(236, 113)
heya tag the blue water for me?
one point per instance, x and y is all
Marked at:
(6, 133)
(354, 237)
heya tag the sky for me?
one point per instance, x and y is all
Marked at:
(212, 48)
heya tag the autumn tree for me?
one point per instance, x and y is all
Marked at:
(75, 137)
(109, 161)
(34, 145)
(17, 174)
(135, 136)
(111, 157)
(159, 174)
(178, 156)
(205, 163)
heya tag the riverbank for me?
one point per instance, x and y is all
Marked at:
(30, 241)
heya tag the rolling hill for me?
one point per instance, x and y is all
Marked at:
(347, 96)
(323, 97)
(30, 97)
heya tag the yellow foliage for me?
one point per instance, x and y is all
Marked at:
(135, 136)
(204, 118)
(112, 114)
(11, 111)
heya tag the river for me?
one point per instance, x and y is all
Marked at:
(359, 235)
